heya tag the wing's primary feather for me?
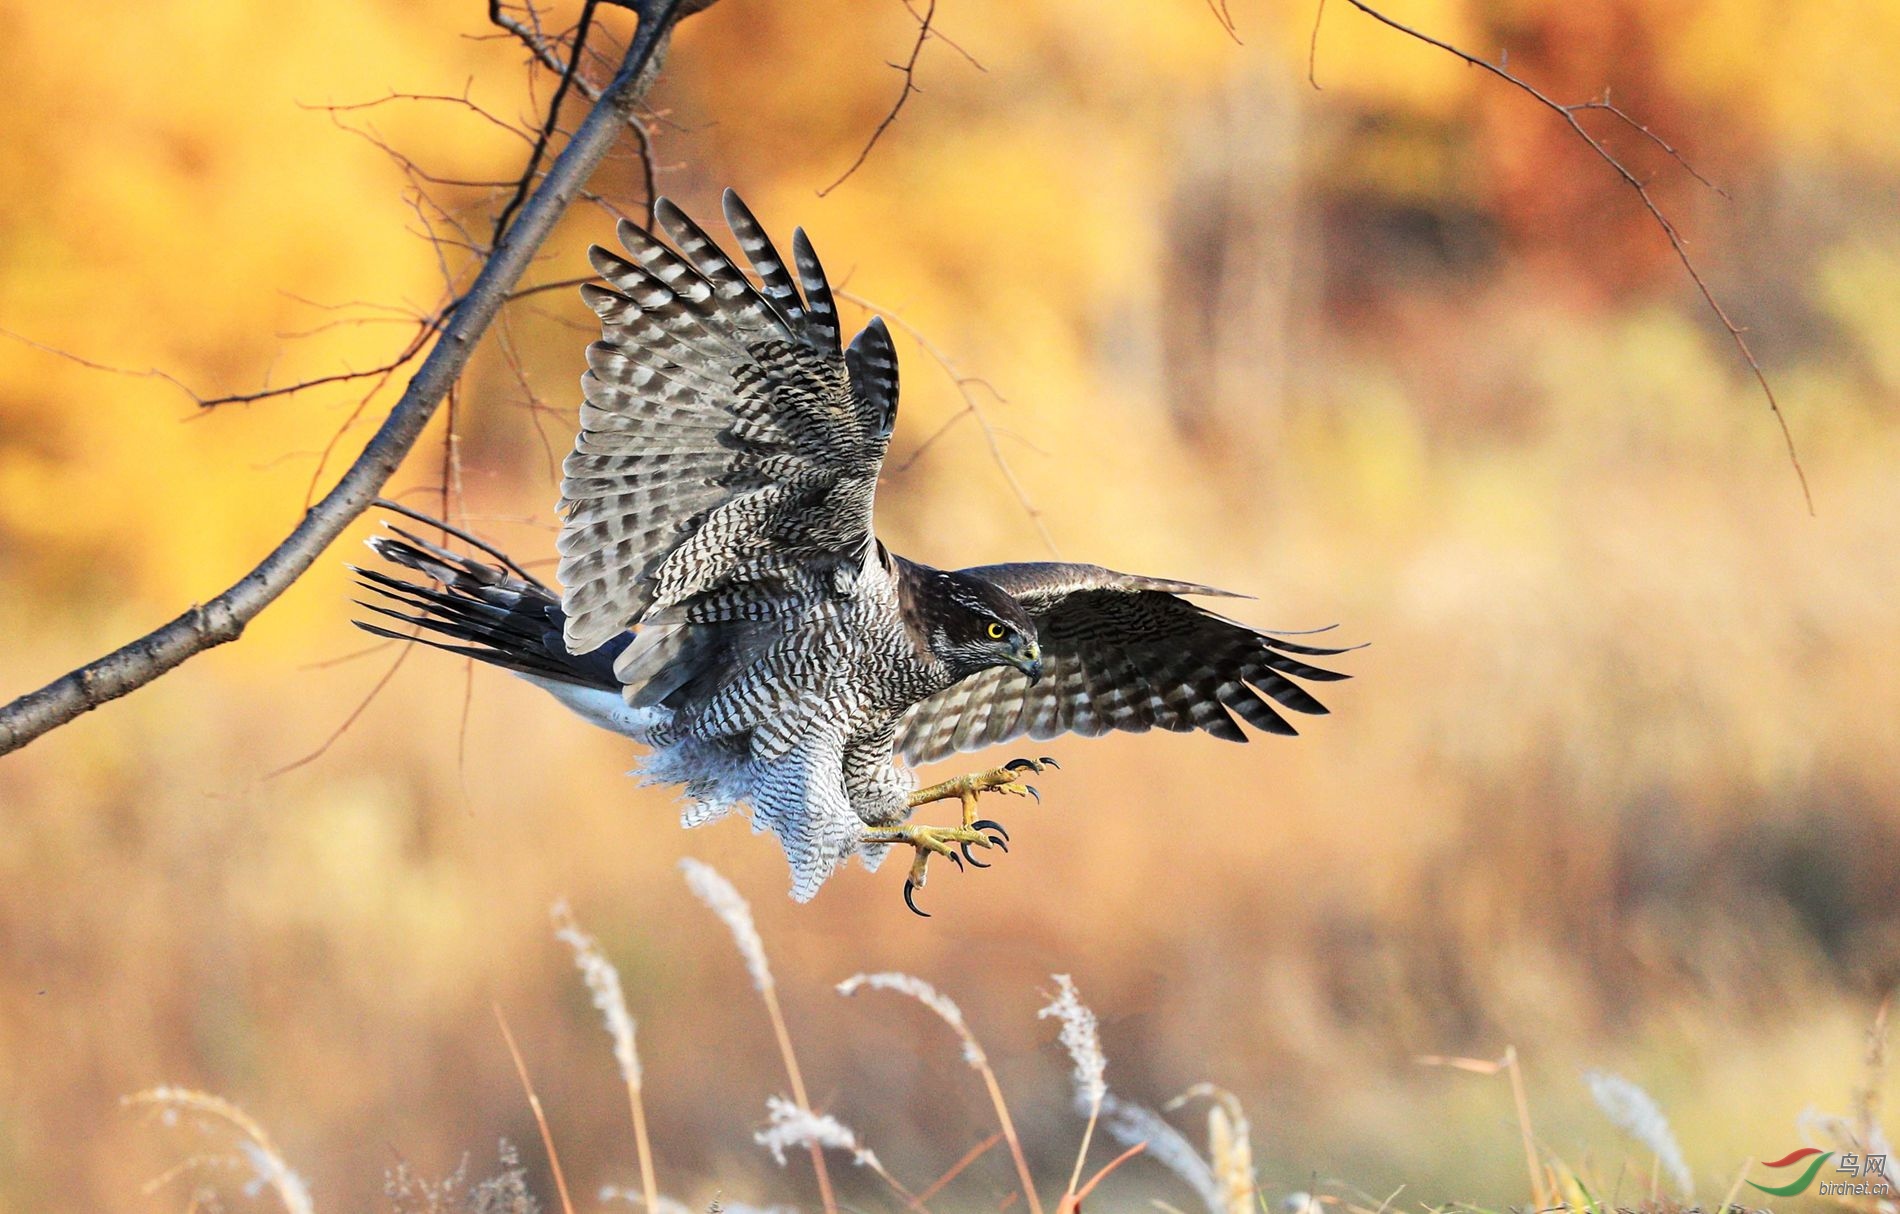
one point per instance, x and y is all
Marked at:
(729, 449)
(1119, 651)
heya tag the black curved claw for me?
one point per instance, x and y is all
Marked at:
(990, 824)
(974, 862)
(1031, 790)
(996, 841)
(1049, 762)
(952, 857)
(1020, 765)
(910, 891)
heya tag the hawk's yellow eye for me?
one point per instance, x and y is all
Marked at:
(996, 632)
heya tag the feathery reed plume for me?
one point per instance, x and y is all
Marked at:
(726, 902)
(731, 907)
(1082, 1038)
(1636, 1114)
(926, 994)
(1229, 1146)
(1130, 1124)
(664, 1205)
(603, 980)
(795, 1126)
(257, 1155)
(952, 1015)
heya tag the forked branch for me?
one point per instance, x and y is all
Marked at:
(1569, 116)
(224, 617)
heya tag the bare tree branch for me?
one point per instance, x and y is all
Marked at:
(909, 69)
(966, 386)
(1568, 113)
(541, 140)
(539, 47)
(223, 618)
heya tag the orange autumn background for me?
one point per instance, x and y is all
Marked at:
(1616, 782)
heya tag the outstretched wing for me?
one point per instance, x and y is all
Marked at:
(728, 449)
(1119, 651)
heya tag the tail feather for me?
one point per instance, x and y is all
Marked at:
(477, 610)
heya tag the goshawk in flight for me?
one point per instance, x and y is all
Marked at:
(727, 603)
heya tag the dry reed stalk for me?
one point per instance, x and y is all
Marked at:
(643, 1147)
(1540, 1190)
(723, 900)
(540, 1118)
(1009, 1134)
(1072, 1202)
(1874, 1072)
(1735, 1190)
(603, 980)
(973, 1054)
(956, 1169)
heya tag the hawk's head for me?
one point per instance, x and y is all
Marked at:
(969, 624)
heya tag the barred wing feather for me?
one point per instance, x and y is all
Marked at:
(729, 449)
(1119, 651)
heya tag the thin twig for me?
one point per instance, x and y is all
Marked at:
(463, 100)
(538, 46)
(936, 31)
(224, 618)
(965, 385)
(109, 369)
(548, 128)
(1225, 19)
(336, 735)
(909, 70)
(1312, 46)
(1014, 1139)
(1569, 115)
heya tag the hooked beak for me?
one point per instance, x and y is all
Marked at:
(1029, 661)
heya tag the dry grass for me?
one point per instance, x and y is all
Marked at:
(1224, 1177)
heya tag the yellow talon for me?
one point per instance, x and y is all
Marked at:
(1005, 779)
(977, 832)
(938, 840)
